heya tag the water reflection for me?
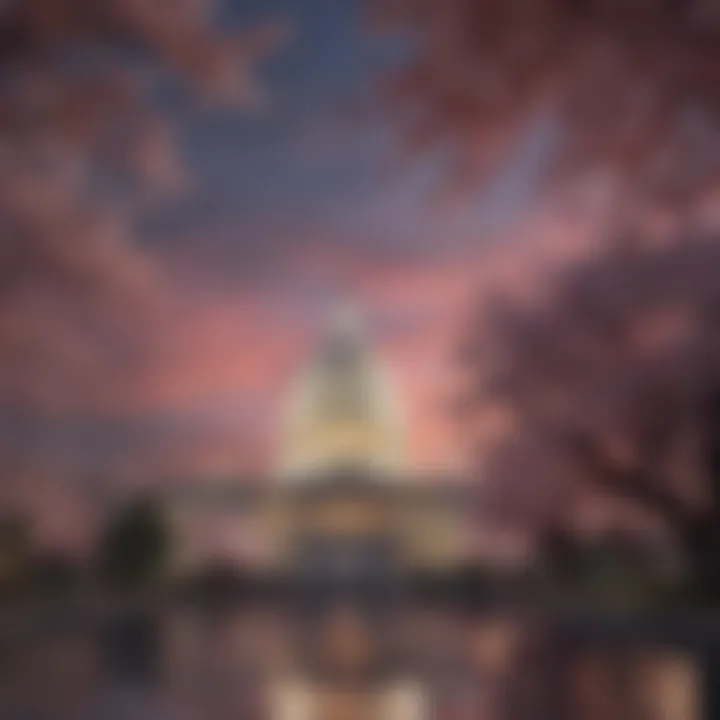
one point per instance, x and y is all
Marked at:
(341, 663)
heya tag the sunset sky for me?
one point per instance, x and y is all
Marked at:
(288, 207)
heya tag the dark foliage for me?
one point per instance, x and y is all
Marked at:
(134, 548)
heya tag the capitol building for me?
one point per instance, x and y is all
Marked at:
(343, 499)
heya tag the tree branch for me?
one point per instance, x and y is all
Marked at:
(631, 483)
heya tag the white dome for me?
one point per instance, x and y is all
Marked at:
(342, 413)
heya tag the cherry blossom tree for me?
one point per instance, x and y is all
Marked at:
(609, 390)
(631, 88)
(86, 143)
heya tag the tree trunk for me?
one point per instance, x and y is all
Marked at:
(701, 544)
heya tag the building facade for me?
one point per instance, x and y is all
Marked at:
(344, 499)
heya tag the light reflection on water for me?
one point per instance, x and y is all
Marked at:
(188, 663)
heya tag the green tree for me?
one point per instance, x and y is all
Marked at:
(135, 546)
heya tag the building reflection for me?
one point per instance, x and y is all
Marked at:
(270, 663)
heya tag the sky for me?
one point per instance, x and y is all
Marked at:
(310, 199)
